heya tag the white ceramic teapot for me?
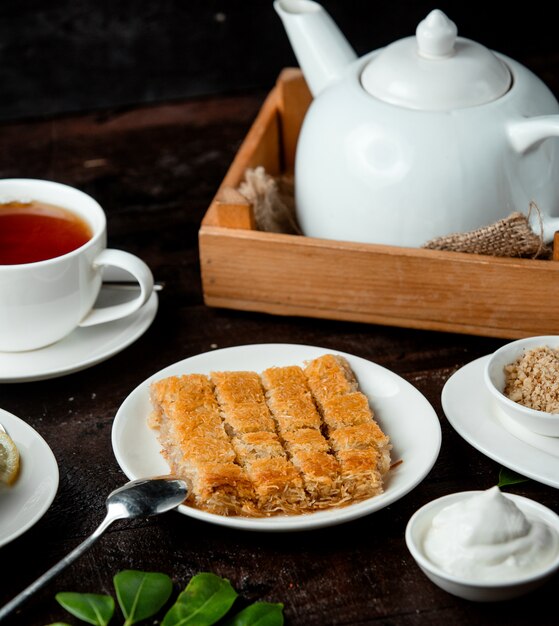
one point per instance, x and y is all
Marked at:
(431, 135)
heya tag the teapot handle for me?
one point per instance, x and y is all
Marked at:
(528, 133)
(545, 225)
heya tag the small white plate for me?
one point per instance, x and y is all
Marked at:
(402, 411)
(84, 347)
(472, 413)
(25, 502)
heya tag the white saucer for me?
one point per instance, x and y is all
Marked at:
(472, 413)
(25, 502)
(82, 348)
(402, 411)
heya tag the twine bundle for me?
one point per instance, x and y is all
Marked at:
(274, 211)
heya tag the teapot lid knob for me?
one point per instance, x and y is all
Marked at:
(436, 36)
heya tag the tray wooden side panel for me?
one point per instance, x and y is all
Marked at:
(294, 98)
(447, 291)
(262, 146)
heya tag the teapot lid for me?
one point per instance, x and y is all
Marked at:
(436, 70)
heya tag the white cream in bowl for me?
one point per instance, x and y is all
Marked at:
(485, 545)
(487, 537)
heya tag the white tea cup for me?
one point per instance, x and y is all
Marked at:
(43, 301)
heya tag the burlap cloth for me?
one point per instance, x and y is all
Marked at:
(273, 203)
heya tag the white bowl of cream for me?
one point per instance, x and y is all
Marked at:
(485, 545)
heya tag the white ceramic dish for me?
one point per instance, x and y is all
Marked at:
(471, 412)
(81, 349)
(478, 591)
(537, 421)
(25, 502)
(403, 412)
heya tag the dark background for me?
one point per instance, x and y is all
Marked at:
(60, 56)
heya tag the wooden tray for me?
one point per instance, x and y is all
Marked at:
(246, 269)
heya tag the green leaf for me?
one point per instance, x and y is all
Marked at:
(508, 477)
(206, 599)
(259, 614)
(89, 607)
(141, 594)
(59, 624)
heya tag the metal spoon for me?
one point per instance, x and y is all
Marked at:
(138, 498)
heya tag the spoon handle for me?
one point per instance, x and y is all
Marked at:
(57, 568)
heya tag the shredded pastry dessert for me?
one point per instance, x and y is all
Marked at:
(289, 440)
(533, 379)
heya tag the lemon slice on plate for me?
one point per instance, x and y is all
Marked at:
(9, 459)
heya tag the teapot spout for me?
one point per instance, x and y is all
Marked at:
(321, 49)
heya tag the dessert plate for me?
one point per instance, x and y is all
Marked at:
(401, 410)
(471, 412)
(82, 348)
(25, 502)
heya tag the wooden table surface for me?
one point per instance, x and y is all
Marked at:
(155, 170)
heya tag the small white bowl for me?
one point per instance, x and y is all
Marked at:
(476, 590)
(537, 421)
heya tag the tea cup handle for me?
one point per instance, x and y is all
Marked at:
(138, 269)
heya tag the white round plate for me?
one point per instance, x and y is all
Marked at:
(402, 412)
(471, 412)
(25, 502)
(83, 348)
